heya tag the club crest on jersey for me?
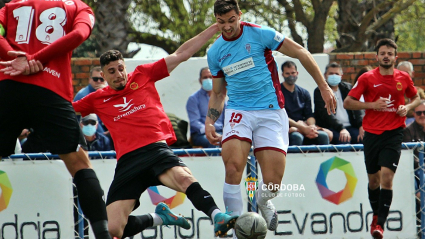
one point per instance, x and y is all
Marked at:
(251, 187)
(248, 48)
(134, 86)
(399, 86)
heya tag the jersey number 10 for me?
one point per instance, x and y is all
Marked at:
(51, 27)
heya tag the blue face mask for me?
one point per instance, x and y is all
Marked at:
(334, 80)
(207, 84)
(89, 130)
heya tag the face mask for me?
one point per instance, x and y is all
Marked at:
(290, 80)
(89, 130)
(207, 84)
(334, 80)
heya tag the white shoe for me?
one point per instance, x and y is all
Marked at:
(269, 213)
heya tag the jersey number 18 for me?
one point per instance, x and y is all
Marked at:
(51, 27)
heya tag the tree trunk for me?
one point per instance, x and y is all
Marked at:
(113, 26)
(355, 19)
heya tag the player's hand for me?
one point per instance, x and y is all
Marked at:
(402, 110)
(329, 99)
(344, 136)
(212, 136)
(380, 104)
(361, 134)
(16, 66)
(33, 67)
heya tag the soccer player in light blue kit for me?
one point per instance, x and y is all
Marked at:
(243, 67)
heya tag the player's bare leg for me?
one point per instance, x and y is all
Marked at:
(272, 165)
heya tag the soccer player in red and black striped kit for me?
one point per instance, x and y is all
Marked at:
(37, 33)
(383, 89)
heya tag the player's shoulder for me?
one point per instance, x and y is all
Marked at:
(401, 74)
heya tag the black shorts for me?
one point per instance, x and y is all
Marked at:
(140, 169)
(30, 106)
(382, 150)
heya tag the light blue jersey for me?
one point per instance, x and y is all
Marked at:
(249, 68)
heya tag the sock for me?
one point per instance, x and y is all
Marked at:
(374, 199)
(136, 224)
(215, 212)
(201, 199)
(233, 199)
(157, 220)
(264, 195)
(90, 196)
(384, 205)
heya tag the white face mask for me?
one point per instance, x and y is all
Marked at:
(334, 80)
(89, 130)
(207, 84)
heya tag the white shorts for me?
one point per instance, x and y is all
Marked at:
(264, 129)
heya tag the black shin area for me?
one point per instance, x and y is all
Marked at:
(90, 196)
(136, 224)
(201, 199)
(384, 205)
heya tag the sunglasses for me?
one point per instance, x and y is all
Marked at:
(87, 122)
(96, 79)
(419, 113)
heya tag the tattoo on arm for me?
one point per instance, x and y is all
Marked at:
(213, 114)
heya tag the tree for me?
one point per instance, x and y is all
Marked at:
(409, 28)
(169, 23)
(311, 14)
(361, 24)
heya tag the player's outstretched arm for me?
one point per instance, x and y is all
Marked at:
(293, 49)
(190, 47)
(215, 108)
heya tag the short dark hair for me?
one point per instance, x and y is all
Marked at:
(202, 69)
(109, 56)
(361, 72)
(386, 42)
(222, 7)
(95, 68)
(288, 64)
(332, 65)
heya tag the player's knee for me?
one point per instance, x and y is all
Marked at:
(115, 229)
(184, 181)
(233, 173)
(374, 183)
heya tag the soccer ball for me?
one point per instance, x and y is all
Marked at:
(251, 225)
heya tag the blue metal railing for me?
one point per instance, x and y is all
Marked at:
(252, 169)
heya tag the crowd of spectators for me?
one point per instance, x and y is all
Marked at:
(307, 127)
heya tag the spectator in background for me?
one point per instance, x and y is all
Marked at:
(346, 125)
(410, 117)
(361, 72)
(298, 108)
(408, 68)
(95, 140)
(197, 107)
(96, 82)
(415, 133)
